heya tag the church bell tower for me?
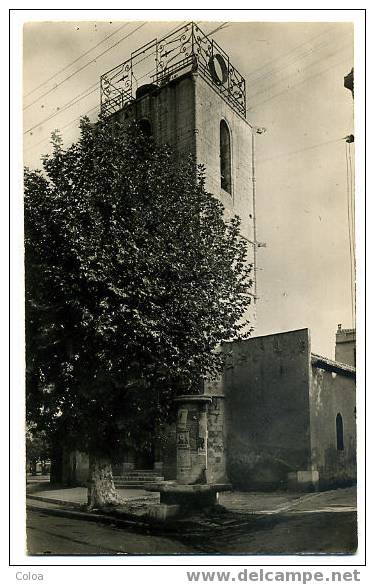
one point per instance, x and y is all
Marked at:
(184, 90)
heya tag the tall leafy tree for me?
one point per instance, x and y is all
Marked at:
(38, 450)
(133, 278)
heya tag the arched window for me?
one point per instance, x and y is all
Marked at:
(225, 158)
(339, 433)
(145, 127)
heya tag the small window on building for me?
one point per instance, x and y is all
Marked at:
(339, 433)
(145, 127)
(225, 158)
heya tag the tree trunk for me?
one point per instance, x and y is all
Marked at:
(101, 491)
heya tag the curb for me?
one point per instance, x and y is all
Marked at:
(143, 525)
(53, 501)
(283, 508)
(294, 504)
(90, 516)
(137, 524)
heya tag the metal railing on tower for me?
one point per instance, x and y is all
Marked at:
(160, 61)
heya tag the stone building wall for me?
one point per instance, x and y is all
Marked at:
(75, 467)
(186, 114)
(345, 349)
(266, 387)
(171, 113)
(332, 393)
(210, 110)
(169, 452)
(217, 441)
(282, 404)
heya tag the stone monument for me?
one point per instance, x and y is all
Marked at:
(191, 491)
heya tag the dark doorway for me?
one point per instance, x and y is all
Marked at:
(144, 459)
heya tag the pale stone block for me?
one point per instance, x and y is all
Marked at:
(303, 480)
(162, 512)
(310, 475)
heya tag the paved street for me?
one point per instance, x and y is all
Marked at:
(339, 500)
(65, 536)
(252, 523)
(292, 533)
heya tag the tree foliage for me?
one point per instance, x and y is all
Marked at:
(133, 278)
(38, 448)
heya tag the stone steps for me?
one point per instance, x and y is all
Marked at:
(141, 485)
(138, 472)
(138, 478)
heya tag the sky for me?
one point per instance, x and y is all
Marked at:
(294, 75)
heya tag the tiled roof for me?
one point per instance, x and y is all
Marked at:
(331, 365)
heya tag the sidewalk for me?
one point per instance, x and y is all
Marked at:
(78, 496)
(339, 500)
(236, 508)
(60, 500)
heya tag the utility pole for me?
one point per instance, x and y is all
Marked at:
(349, 84)
(255, 130)
(349, 81)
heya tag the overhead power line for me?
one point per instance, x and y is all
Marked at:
(83, 95)
(223, 25)
(77, 98)
(86, 65)
(77, 59)
(260, 103)
(63, 127)
(286, 154)
(291, 52)
(350, 217)
(301, 61)
(64, 108)
(147, 55)
(95, 86)
(307, 66)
